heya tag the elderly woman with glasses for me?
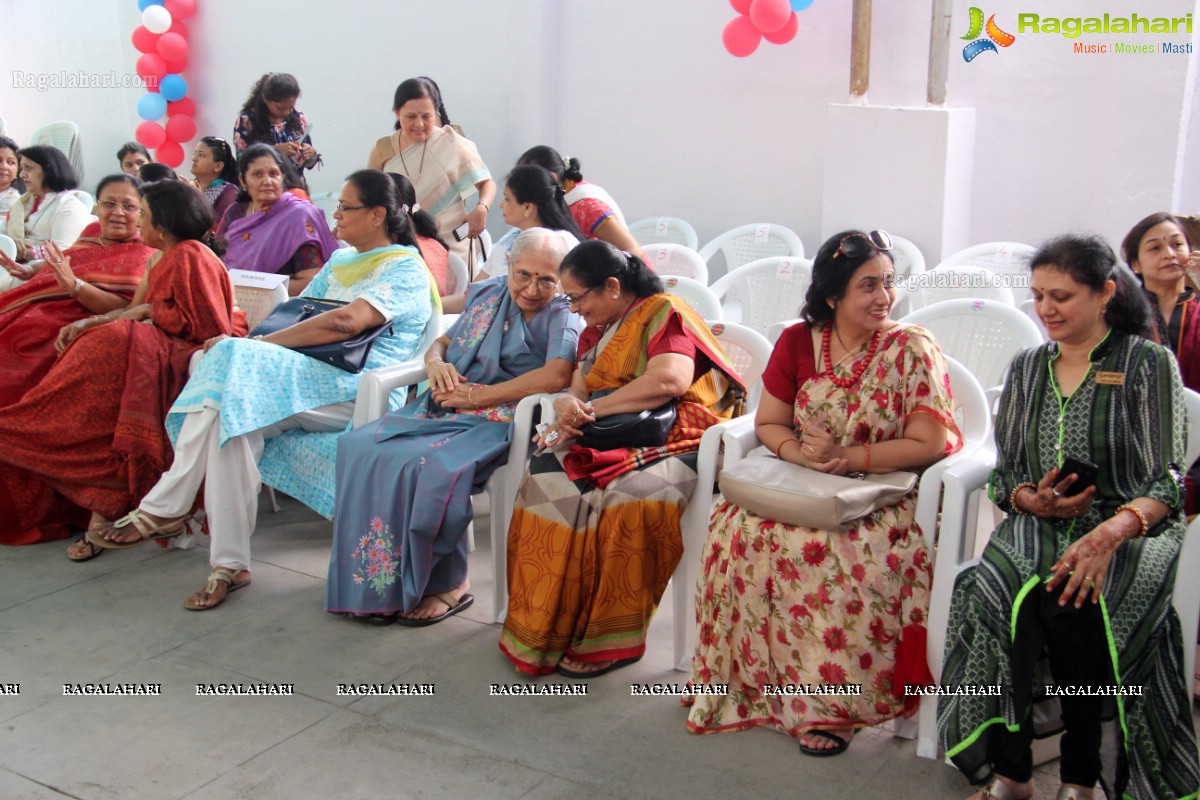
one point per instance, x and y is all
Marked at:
(404, 483)
(848, 390)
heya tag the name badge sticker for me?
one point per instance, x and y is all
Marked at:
(1110, 378)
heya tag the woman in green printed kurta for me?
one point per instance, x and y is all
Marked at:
(1079, 583)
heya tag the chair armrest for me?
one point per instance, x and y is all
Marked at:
(375, 385)
(739, 437)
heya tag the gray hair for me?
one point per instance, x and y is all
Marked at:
(539, 239)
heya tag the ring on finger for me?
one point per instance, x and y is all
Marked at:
(1057, 493)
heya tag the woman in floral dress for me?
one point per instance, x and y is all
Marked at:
(847, 390)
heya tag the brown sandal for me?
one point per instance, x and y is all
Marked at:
(999, 790)
(217, 576)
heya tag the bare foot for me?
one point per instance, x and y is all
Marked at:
(568, 663)
(221, 581)
(433, 606)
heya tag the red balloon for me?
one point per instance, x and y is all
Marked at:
(184, 107)
(169, 153)
(178, 27)
(151, 69)
(768, 15)
(180, 9)
(150, 134)
(786, 33)
(143, 40)
(740, 37)
(741, 6)
(173, 47)
(181, 128)
(176, 67)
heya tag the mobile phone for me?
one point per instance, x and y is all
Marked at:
(460, 232)
(1085, 474)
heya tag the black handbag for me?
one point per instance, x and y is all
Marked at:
(648, 428)
(349, 355)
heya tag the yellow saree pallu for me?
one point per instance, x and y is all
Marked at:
(595, 535)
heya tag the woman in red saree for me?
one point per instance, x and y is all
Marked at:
(100, 273)
(88, 441)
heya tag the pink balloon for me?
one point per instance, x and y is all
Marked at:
(786, 33)
(741, 6)
(151, 68)
(178, 27)
(768, 15)
(150, 134)
(740, 37)
(184, 107)
(169, 153)
(172, 47)
(181, 128)
(176, 67)
(143, 40)
(180, 9)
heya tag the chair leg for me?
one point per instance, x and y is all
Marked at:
(274, 502)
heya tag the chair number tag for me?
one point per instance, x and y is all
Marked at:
(761, 233)
(785, 269)
(661, 227)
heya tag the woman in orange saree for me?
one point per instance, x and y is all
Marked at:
(595, 534)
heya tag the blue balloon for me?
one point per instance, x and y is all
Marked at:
(800, 5)
(151, 106)
(144, 4)
(172, 87)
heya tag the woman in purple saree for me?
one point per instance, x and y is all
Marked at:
(404, 483)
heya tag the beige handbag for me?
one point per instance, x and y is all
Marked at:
(785, 492)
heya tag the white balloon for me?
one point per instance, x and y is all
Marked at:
(156, 19)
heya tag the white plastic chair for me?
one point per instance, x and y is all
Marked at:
(983, 335)
(63, 135)
(956, 553)
(458, 274)
(1007, 259)
(327, 202)
(258, 302)
(695, 294)
(664, 230)
(974, 422)
(86, 199)
(8, 246)
(763, 292)
(1, 126)
(677, 259)
(1029, 309)
(955, 283)
(747, 243)
(910, 264)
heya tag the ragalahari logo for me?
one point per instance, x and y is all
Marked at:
(995, 36)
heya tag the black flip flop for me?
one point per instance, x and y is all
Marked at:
(620, 662)
(380, 620)
(93, 550)
(840, 744)
(464, 602)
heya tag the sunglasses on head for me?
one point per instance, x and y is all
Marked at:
(856, 245)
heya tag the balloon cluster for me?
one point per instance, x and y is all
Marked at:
(162, 41)
(773, 20)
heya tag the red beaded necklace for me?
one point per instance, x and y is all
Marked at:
(846, 383)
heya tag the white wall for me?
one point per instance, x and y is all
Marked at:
(645, 96)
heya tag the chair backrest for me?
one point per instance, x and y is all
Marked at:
(485, 239)
(971, 412)
(1, 126)
(983, 335)
(747, 243)
(748, 351)
(8, 246)
(910, 264)
(763, 292)
(1007, 259)
(458, 274)
(258, 301)
(1029, 309)
(88, 201)
(956, 283)
(327, 202)
(63, 135)
(664, 230)
(779, 327)
(1191, 401)
(677, 259)
(696, 295)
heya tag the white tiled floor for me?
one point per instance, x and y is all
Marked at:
(120, 618)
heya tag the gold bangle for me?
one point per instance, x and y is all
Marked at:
(779, 447)
(1012, 498)
(1141, 515)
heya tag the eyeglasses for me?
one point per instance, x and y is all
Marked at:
(520, 279)
(111, 206)
(855, 245)
(574, 300)
(340, 207)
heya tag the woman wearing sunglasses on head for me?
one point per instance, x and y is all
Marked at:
(848, 390)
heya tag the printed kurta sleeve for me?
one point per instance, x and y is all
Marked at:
(1158, 438)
